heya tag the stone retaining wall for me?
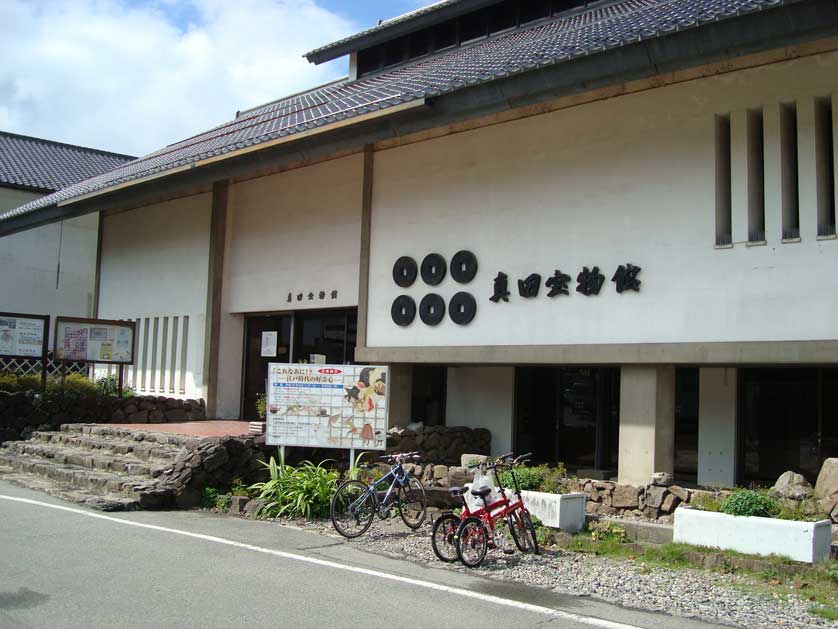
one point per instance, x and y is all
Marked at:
(24, 412)
(442, 445)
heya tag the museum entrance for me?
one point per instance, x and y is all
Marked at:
(305, 336)
(569, 414)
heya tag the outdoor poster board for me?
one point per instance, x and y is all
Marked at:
(23, 335)
(94, 341)
(328, 406)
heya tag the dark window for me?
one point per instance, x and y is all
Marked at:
(534, 10)
(256, 365)
(445, 35)
(428, 395)
(474, 25)
(560, 6)
(503, 16)
(420, 43)
(686, 423)
(395, 52)
(327, 333)
(369, 60)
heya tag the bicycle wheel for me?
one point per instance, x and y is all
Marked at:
(353, 507)
(472, 542)
(412, 503)
(523, 531)
(442, 538)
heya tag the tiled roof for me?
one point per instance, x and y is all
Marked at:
(599, 29)
(45, 165)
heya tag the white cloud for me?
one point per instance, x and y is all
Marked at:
(131, 77)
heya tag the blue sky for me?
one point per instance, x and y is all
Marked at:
(132, 76)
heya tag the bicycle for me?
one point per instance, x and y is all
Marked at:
(354, 503)
(476, 532)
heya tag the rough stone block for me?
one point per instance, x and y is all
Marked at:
(655, 495)
(827, 483)
(661, 479)
(669, 503)
(625, 497)
(440, 472)
(682, 493)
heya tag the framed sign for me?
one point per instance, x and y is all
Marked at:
(328, 406)
(24, 335)
(94, 341)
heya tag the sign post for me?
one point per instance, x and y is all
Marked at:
(25, 336)
(327, 406)
(95, 341)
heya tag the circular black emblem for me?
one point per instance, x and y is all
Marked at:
(405, 271)
(432, 309)
(463, 267)
(462, 308)
(433, 269)
(403, 310)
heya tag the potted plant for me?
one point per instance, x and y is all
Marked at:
(751, 522)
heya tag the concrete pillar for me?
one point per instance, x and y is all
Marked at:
(717, 427)
(807, 168)
(401, 392)
(647, 423)
(483, 397)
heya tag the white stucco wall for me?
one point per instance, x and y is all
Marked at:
(30, 281)
(629, 179)
(296, 232)
(482, 397)
(154, 267)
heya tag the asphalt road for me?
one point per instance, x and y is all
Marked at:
(68, 567)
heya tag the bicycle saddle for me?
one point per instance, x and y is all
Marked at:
(456, 492)
(480, 492)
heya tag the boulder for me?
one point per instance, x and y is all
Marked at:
(792, 485)
(655, 495)
(440, 472)
(682, 493)
(470, 459)
(669, 503)
(625, 497)
(827, 483)
(661, 479)
(459, 476)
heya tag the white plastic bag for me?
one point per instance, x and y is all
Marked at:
(481, 479)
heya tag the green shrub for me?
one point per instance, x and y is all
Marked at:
(261, 406)
(209, 497)
(607, 532)
(108, 386)
(302, 491)
(238, 488)
(551, 480)
(14, 383)
(75, 386)
(706, 502)
(832, 572)
(222, 502)
(746, 502)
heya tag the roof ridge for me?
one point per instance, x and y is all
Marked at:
(66, 144)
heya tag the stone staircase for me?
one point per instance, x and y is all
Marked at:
(103, 467)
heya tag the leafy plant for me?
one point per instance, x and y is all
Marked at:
(209, 497)
(832, 572)
(75, 385)
(746, 502)
(706, 502)
(302, 491)
(108, 386)
(607, 531)
(539, 478)
(261, 405)
(14, 383)
(238, 488)
(222, 502)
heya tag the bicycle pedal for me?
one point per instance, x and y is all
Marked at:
(508, 551)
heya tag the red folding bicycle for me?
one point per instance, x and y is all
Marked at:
(478, 532)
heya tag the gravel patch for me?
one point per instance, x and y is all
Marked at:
(693, 593)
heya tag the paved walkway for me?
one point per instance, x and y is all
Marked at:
(209, 428)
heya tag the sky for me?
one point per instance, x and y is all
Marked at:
(132, 76)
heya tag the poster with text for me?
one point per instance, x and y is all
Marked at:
(22, 337)
(329, 406)
(94, 341)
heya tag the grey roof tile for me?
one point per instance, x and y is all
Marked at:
(46, 165)
(546, 43)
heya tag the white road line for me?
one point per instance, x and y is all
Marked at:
(487, 598)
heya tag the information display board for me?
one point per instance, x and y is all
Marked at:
(94, 341)
(23, 336)
(329, 406)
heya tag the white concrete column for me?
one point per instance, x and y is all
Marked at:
(400, 394)
(483, 397)
(773, 174)
(647, 423)
(739, 176)
(717, 427)
(807, 168)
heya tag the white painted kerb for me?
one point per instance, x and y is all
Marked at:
(802, 541)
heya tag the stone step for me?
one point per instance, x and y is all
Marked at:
(106, 502)
(110, 446)
(105, 460)
(88, 479)
(131, 434)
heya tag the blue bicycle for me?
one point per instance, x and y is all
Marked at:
(354, 503)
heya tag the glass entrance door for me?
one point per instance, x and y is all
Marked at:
(256, 360)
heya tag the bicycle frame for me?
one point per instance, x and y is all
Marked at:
(499, 509)
(399, 476)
